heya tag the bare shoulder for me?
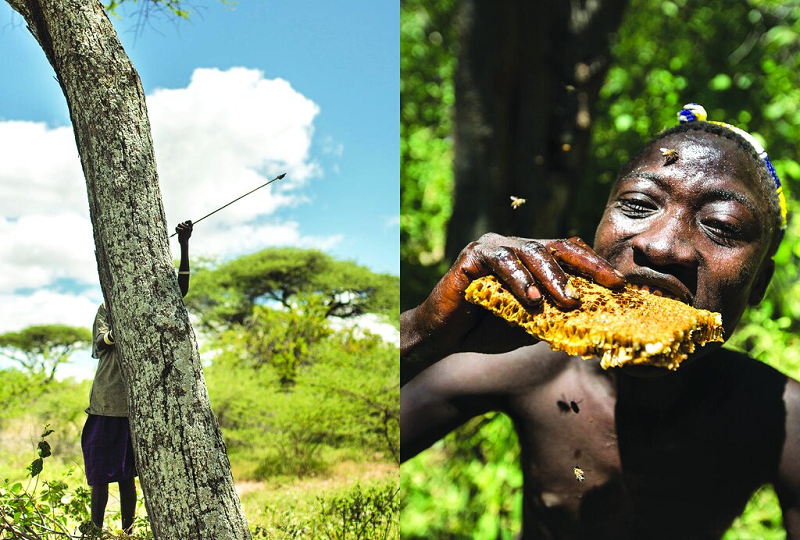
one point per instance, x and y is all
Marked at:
(772, 398)
(791, 397)
(790, 457)
(753, 386)
(496, 375)
(787, 482)
(744, 368)
(530, 368)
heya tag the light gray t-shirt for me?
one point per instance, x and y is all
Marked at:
(109, 396)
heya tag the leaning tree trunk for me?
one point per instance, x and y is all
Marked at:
(526, 84)
(180, 454)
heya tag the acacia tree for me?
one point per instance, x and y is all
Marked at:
(276, 302)
(41, 349)
(180, 455)
(291, 277)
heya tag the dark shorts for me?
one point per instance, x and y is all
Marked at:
(107, 450)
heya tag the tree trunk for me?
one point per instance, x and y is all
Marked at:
(526, 85)
(180, 454)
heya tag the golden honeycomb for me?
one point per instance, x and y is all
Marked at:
(629, 326)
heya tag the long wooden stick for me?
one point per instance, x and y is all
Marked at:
(233, 201)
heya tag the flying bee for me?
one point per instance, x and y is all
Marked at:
(579, 476)
(516, 202)
(670, 155)
(565, 405)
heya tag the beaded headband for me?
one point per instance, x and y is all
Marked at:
(692, 112)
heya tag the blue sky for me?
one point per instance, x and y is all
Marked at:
(236, 94)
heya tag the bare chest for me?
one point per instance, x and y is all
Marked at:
(601, 469)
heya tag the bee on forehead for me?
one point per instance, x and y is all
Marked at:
(670, 155)
(579, 476)
(516, 202)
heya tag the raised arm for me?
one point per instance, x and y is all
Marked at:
(184, 231)
(445, 323)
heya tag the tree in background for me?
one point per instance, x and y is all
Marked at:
(276, 303)
(180, 455)
(526, 86)
(302, 280)
(276, 323)
(428, 48)
(740, 60)
(333, 414)
(524, 90)
(41, 349)
(344, 398)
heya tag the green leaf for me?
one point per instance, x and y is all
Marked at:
(669, 9)
(720, 82)
(36, 467)
(623, 122)
(44, 449)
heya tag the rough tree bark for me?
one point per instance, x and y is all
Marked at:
(526, 85)
(180, 454)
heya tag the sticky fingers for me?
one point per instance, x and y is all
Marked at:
(579, 256)
(504, 263)
(549, 275)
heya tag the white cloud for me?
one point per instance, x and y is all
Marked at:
(46, 307)
(331, 147)
(245, 238)
(40, 171)
(224, 134)
(38, 249)
(371, 322)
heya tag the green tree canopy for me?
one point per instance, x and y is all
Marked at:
(227, 294)
(740, 60)
(41, 349)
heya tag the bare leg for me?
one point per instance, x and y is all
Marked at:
(127, 503)
(99, 500)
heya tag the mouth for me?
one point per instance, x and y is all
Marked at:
(658, 284)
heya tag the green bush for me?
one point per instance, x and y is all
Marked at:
(372, 513)
(345, 397)
(51, 509)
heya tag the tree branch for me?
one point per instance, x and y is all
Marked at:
(20, 7)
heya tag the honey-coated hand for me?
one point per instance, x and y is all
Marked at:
(446, 323)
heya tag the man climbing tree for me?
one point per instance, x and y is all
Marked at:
(180, 455)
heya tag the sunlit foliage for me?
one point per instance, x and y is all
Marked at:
(740, 60)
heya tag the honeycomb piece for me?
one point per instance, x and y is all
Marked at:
(628, 326)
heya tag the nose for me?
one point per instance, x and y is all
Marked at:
(666, 243)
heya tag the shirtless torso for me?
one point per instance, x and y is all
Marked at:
(722, 429)
(664, 454)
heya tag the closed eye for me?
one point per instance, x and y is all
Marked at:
(636, 207)
(723, 233)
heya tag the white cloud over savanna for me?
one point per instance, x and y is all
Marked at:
(38, 249)
(47, 307)
(224, 134)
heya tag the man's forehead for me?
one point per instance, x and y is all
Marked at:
(700, 154)
(698, 146)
